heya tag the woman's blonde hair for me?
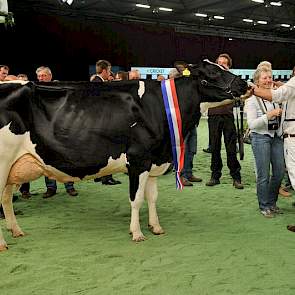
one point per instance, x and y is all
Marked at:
(259, 70)
(265, 64)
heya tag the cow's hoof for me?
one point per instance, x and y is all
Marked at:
(138, 237)
(3, 247)
(156, 230)
(17, 233)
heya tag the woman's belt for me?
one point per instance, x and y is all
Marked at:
(288, 135)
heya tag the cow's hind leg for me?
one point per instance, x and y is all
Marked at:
(11, 222)
(3, 245)
(151, 193)
(137, 184)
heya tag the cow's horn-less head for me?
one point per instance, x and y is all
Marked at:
(198, 71)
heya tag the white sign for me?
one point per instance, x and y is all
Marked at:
(246, 74)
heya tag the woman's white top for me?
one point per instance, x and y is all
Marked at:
(257, 118)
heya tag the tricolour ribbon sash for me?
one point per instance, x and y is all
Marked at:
(175, 126)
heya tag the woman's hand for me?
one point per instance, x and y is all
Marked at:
(274, 113)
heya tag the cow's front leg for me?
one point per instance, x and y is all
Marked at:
(137, 185)
(151, 193)
(11, 222)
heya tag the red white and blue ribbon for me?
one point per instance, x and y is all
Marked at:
(175, 126)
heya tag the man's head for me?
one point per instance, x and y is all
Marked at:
(180, 66)
(103, 69)
(134, 75)
(44, 74)
(224, 60)
(174, 73)
(160, 78)
(3, 72)
(23, 77)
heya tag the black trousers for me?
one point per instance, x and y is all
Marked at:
(218, 125)
(25, 187)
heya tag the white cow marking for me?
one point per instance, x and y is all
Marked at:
(141, 89)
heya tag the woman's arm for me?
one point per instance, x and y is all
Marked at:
(254, 121)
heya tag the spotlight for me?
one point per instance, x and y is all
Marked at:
(69, 2)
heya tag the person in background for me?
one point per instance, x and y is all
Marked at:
(267, 145)
(121, 75)
(23, 77)
(221, 121)
(134, 75)
(160, 78)
(180, 66)
(44, 74)
(4, 70)
(111, 77)
(103, 72)
(285, 190)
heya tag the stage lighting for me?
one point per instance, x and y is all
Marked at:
(69, 2)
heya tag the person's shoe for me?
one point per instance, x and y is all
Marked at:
(16, 212)
(49, 193)
(276, 209)
(26, 195)
(291, 228)
(207, 150)
(267, 213)
(185, 182)
(284, 193)
(237, 184)
(213, 182)
(72, 192)
(111, 181)
(194, 179)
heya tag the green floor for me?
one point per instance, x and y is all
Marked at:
(216, 241)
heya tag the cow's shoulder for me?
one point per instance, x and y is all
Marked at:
(14, 103)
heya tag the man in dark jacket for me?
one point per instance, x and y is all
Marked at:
(221, 121)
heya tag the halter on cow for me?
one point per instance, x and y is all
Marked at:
(71, 131)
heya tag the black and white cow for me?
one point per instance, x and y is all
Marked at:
(71, 131)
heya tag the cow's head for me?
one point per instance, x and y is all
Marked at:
(216, 83)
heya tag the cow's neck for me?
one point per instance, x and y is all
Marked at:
(189, 103)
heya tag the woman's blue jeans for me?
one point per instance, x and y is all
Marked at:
(268, 151)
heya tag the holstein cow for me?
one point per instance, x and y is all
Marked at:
(70, 131)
